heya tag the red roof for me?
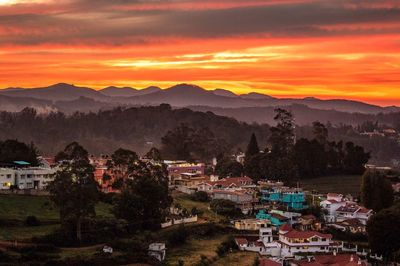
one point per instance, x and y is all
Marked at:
(268, 262)
(338, 260)
(285, 227)
(306, 234)
(241, 241)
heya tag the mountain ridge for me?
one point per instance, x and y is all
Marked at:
(184, 95)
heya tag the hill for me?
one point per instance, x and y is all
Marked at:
(183, 95)
(137, 128)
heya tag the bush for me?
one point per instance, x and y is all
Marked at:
(200, 196)
(226, 208)
(32, 221)
(226, 246)
(178, 236)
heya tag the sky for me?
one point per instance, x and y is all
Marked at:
(285, 48)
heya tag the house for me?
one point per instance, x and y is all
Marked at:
(251, 224)
(334, 259)
(308, 222)
(276, 219)
(351, 210)
(241, 198)
(157, 250)
(176, 168)
(353, 225)
(292, 198)
(294, 241)
(263, 244)
(330, 206)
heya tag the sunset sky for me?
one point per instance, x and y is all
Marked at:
(284, 48)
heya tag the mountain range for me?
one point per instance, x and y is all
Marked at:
(247, 107)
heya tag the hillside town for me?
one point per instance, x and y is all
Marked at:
(262, 206)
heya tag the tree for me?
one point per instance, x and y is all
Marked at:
(282, 135)
(280, 159)
(225, 207)
(384, 231)
(320, 133)
(154, 154)
(376, 191)
(252, 147)
(122, 163)
(13, 150)
(310, 158)
(355, 158)
(74, 189)
(228, 167)
(144, 200)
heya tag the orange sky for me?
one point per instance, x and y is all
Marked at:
(325, 49)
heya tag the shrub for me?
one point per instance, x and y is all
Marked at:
(200, 196)
(226, 246)
(178, 236)
(32, 221)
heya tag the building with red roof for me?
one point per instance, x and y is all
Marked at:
(294, 241)
(334, 259)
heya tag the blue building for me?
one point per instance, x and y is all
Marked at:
(276, 219)
(291, 198)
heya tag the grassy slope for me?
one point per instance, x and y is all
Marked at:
(344, 184)
(187, 203)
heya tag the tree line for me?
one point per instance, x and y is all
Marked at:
(287, 158)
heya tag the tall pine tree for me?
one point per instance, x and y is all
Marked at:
(252, 147)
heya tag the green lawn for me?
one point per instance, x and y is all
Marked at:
(22, 233)
(344, 184)
(15, 208)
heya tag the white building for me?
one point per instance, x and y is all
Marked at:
(158, 251)
(293, 241)
(26, 178)
(7, 178)
(338, 210)
(34, 177)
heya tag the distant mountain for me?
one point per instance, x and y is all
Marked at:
(16, 104)
(57, 92)
(184, 95)
(255, 96)
(226, 93)
(113, 91)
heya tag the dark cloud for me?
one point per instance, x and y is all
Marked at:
(99, 22)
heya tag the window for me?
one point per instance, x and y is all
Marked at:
(8, 176)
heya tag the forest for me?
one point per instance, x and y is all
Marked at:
(141, 128)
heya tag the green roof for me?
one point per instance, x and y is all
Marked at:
(21, 163)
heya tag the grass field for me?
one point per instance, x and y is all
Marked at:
(15, 208)
(190, 252)
(237, 258)
(187, 203)
(344, 184)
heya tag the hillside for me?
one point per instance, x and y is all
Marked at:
(133, 128)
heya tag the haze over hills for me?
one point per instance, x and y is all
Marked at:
(252, 107)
